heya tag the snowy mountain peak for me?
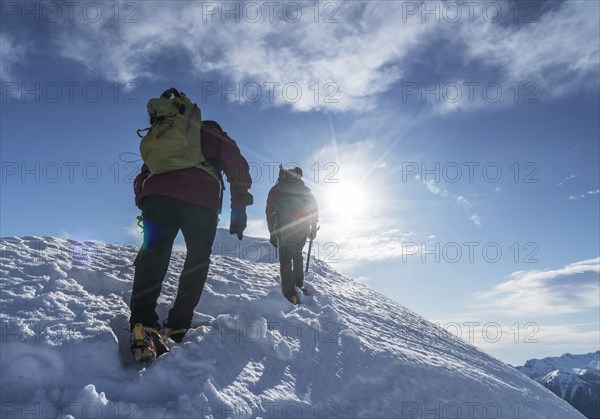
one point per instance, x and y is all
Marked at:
(346, 351)
(575, 378)
(567, 362)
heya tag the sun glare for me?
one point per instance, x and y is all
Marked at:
(347, 201)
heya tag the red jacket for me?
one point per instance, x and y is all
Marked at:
(295, 205)
(197, 186)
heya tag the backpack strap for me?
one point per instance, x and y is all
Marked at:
(143, 130)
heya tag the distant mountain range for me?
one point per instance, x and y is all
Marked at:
(575, 378)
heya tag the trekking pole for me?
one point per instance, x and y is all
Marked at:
(309, 249)
(308, 257)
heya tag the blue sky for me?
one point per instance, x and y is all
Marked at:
(456, 162)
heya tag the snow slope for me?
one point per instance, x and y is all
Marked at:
(345, 352)
(575, 378)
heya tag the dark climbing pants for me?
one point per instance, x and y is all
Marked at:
(292, 265)
(163, 218)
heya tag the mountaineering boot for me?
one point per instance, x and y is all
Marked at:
(143, 347)
(162, 346)
(177, 335)
(147, 344)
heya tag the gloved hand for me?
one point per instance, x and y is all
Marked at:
(238, 222)
(312, 234)
(274, 240)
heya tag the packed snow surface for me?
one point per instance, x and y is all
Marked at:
(345, 352)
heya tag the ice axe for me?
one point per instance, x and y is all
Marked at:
(309, 249)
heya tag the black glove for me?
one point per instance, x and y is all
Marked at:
(312, 233)
(238, 222)
(273, 240)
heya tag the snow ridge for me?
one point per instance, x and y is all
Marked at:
(345, 352)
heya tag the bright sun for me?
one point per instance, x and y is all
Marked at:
(346, 200)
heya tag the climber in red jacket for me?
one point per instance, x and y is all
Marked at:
(188, 200)
(292, 217)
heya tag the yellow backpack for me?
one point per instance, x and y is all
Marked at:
(174, 140)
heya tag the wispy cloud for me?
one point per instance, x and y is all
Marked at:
(545, 52)
(134, 232)
(571, 289)
(565, 334)
(434, 189)
(364, 53)
(305, 52)
(493, 333)
(461, 200)
(456, 199)
(257, 228)
(582, 196)
(12, 52)
(476, 220)
(63, 234)
(565, 179)
(374, 242)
